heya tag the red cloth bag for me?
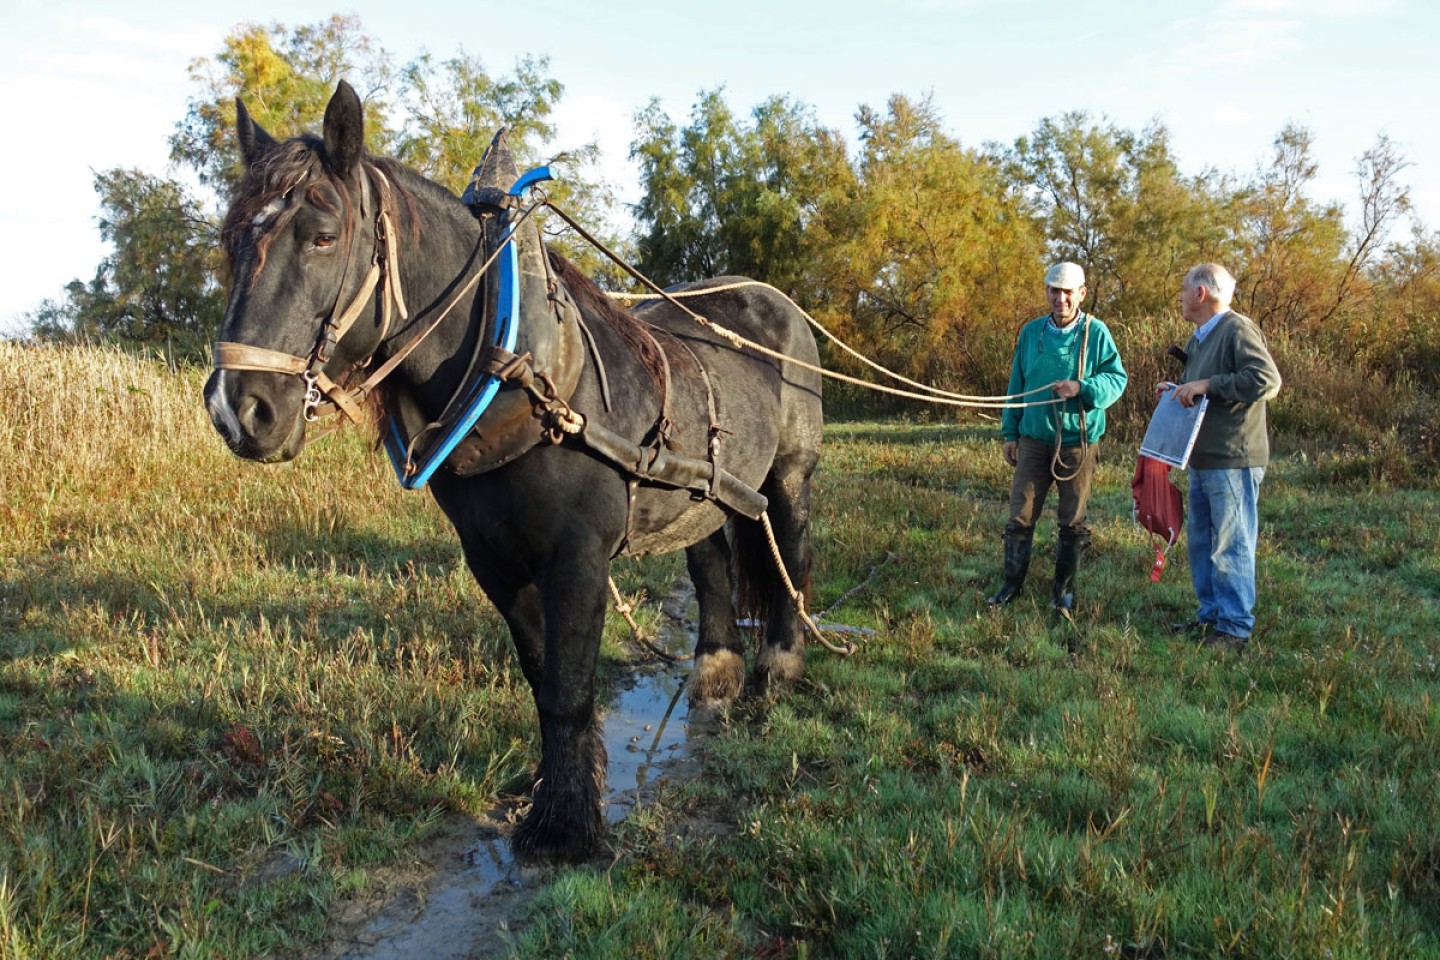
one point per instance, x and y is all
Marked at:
(1159, 507)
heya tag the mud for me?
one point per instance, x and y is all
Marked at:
(460, 895)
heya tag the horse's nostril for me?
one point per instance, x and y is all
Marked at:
(256, 416)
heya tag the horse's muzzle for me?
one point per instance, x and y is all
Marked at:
(258, 414)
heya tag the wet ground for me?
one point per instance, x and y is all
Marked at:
(462, 892)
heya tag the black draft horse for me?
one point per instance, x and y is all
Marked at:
(687, 436)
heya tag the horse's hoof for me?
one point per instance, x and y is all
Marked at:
(716, 679)
(777, 669)
(533, 845)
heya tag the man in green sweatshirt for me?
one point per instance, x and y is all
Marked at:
(1055, 436)
(1229, 362)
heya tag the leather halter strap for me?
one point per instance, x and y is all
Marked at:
(242, 356)
(384, 268)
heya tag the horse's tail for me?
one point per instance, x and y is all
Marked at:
(752, 569)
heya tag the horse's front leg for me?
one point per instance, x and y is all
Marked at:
(565, 822)
(518, 602)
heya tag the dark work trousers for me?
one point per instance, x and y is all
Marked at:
(1032, 483)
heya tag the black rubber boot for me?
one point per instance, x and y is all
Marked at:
(1067, 563)
(1017, 563)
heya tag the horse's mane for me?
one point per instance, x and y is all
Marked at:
(295, 164)
(593, 303)
(298, 164)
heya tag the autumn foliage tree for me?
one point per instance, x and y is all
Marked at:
(930, 258)
(163, 284)
(920, 251)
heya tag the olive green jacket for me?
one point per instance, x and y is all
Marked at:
(1243, 376)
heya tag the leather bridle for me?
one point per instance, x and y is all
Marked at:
(384, 273)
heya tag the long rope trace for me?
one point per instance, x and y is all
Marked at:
(923, 392)
(798, 598)
(919, 391)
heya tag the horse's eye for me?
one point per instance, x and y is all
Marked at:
(324, 241)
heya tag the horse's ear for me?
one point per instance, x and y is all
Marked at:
(253, 138)
(344, 131)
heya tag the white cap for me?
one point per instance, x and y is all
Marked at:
(1065, 276)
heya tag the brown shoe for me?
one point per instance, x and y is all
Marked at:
(1191, 626)
(1225, 641)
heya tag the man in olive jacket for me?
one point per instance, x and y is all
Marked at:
(1229, 362)
(1073, 355)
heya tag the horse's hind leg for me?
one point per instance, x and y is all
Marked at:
(719, 672)
(782, 655)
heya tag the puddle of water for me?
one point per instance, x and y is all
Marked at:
(646, 724)
(644, 729)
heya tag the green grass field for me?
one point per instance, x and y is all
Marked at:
(229, 693)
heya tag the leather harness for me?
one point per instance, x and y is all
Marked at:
(537, 409)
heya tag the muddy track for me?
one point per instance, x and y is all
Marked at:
(461, 894)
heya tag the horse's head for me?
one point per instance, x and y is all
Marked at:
(305, 240)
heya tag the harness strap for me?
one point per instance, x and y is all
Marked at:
(595, 355)
(242, 356)
(713, 442)
(337, 322)
(669, 469)
(346, 320)
(654, 463)
(632, 490)
(564, 306)
(665, 424)
(339, 397)
(392, 261)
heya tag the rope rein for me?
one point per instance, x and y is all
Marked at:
(933, 394)
(798, 598)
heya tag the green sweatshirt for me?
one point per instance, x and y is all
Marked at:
(1243, 376)
(1043, 356)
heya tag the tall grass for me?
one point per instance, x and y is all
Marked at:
(228, 692)
(214, 673)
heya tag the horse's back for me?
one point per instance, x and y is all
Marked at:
(763, 315)
(751, 308)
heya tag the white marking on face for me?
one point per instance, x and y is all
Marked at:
(271, 209)
(221, 414)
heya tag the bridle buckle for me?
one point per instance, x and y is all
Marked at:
(312, 396)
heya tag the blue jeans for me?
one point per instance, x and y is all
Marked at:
(1224, 525)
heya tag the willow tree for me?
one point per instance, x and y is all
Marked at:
(1115, 201)
(1290, 248)
(931, 259)
(732, 195)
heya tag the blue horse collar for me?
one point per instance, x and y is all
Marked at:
(414, 474)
